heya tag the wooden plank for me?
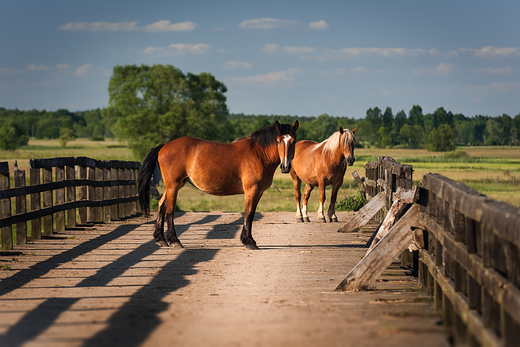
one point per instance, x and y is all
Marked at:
(47, 200)
(106, 195)
(81, 174)
(382, 255)
(5, 208)
(114, 194)
(21, 207)
(70, 197)
(98, 196)
(36, 223)
(60, 199)
(91, 194)
(365, 214)
(359, 182)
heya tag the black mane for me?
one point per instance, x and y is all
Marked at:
(266, 136)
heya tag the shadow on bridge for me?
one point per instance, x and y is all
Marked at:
(125, 327)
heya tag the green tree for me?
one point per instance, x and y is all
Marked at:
(411, 136)
(441, 139)
(12, 136)
(155, 104)
(66, 135)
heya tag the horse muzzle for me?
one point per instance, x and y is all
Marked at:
(350, 160)
(285, 168)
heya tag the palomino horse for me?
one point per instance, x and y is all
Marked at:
(322, 164)
(245, 166)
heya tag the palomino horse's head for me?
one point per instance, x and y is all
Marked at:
(286, 140)
(348, 142)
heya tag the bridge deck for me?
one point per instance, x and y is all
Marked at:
(110, 285)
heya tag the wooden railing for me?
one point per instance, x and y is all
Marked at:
(83, 191)
(386, 175)
(471, 264)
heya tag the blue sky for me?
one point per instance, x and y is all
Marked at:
(276, 57)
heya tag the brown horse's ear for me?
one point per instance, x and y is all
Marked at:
(354, 131)
(340, 130)
(278, 127)
(295, 125)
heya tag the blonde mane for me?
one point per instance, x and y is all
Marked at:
(334, 141)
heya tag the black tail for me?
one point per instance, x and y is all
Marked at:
(143, 179)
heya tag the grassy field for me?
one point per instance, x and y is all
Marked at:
(495, 171)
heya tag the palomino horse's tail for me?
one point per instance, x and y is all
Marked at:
(143, 179)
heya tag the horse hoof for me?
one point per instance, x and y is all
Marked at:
(299, 220)
(307, 219)
(321, 220)
(334, 220)
(177, 244)
(252, 246)
(161, 243)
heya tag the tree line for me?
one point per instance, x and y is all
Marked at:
(149, 105)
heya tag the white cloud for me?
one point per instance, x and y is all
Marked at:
(165, 25)
(359, 69)
(160, 26)
(271, 79)
(319, 25)
(62, 66)
(489, 51)
(507, 70)
(236, 65)
(496, 87)
(8, 71)
(83, 70)
(267, 23)
(381, 52)
(177, 49)
(105, 71)
(99, 26)
(34, 67)
(270, 48)
(444, 55)
(298, 50)
(443, 69)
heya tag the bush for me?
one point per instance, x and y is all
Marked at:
(97, 138)
(12, 136)
(351, 203)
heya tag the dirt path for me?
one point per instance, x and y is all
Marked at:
(111, 286)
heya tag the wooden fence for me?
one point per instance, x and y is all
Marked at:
(470, 262)
(83, 191)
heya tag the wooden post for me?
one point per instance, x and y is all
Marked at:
(5, 207)
(81, 173)
(60, 200)
(47, 202)
(360, 183)
(106, 195)
(133, 176)
(21, 207)
(36, 224)
(99, 195)
(70, 197)
(91, 194)
(114, 193)
(128, 193)
(121, 193)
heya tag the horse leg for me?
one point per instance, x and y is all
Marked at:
(158, 234)
(251, 201)
(297, 183)
(321, 217)
(306, 195)
(170, 213)
(333, 196)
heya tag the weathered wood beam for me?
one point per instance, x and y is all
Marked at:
(364, 214)
(382, 255)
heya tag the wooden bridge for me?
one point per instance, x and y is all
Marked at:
(103, 281)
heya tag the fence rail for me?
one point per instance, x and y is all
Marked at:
(65, 192)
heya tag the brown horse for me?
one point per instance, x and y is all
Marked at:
(322, 164)
(245, 166)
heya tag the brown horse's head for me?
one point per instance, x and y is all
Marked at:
(348, 142)
(285, 140)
